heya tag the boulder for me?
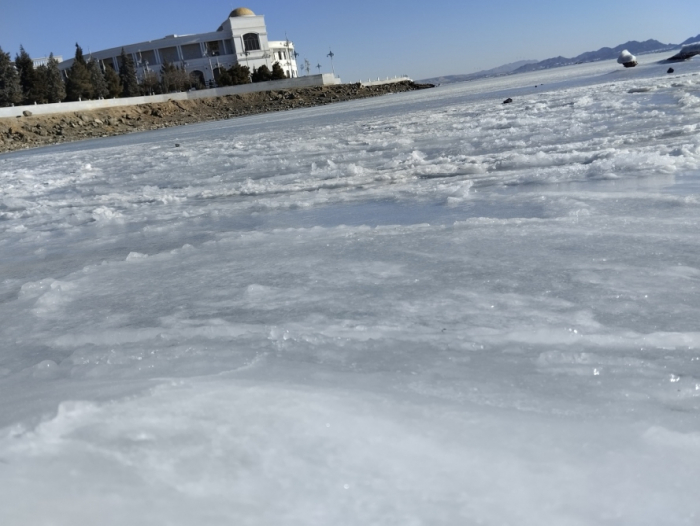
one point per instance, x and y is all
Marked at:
(686, 52)
(627, 59)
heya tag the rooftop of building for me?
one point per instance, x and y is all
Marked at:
(241, 11)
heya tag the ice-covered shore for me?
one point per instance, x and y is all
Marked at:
(429, 308)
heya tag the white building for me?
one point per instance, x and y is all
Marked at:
(241, 38)
(43, 61)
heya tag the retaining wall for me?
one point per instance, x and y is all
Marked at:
(307, 81)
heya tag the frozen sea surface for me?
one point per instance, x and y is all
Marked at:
(423, 309)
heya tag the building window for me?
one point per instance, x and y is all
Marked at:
(191, 51)
(251, 42)
(147, 57)
(213, 48)
(169, 54)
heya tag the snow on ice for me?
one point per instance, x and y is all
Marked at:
(626, 58)
(428, 308)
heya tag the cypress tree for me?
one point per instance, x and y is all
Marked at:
(224, 78)
(10, 88)
(127, 75)
(55, 87)
(277, 72)
(27, 76)
(41, 88)
(239, 74)
(79, 55)
(78, 85)
(97, 79)
(114, 85)
(261, 74)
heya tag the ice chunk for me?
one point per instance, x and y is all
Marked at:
(627, 59)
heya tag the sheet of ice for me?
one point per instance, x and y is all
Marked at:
(429, 308)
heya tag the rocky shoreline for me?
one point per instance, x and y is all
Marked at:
(32, 131)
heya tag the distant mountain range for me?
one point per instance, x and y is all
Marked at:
(691, 40)
(495, 72)
(605, 53)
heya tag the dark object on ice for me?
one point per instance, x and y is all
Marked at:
(670, 70)
(686, 52)
(177, 145)
(508, 101)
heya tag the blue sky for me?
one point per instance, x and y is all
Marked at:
(369, 39)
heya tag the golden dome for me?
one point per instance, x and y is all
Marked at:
(241, 11)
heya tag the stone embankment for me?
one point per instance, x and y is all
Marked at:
(31, 131)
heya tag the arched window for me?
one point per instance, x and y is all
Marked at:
(251, 42)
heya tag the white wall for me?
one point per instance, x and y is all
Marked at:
(379, 82)
(86, 105)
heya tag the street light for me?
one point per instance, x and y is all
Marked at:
(331, 54)
(211, 69)
(139, 63)
(319, 68)
(288, 44)
(295, 54)
(246, 53)
(143, 65)
(184, 69)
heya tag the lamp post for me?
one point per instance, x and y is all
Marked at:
(295, 61)
(144, 64)
(139, 63)
(319, 68)
(331, 55)
(184, 69)
(288, 44)
(246, 53)
(211, 69)
(218, 68)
